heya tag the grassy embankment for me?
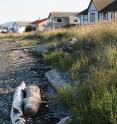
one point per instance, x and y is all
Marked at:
(93, 64)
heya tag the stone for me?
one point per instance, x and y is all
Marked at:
(55, 78)
(73, 40)
(32, 101)
(66, 120)
(41, 49)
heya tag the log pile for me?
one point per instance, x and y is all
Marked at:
(26, 103)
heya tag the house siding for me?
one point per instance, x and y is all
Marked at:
(65, 22)
(41, 26)
(116, 14)
(92, 9)
(54, 24)
(99, 16)
(72, 20)
(109, 16)
(68, 19)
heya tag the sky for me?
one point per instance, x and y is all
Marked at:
(30, 10)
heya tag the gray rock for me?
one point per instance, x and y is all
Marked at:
(66, 120)
(55, 78)
(73, 40)
(41, 49)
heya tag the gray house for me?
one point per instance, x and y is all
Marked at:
(99, 10)
(17, 27)
(3, 29)
(61, 19)
(20, 27)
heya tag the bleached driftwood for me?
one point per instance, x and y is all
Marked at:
(16, 111)
(32, 101)
(66, 120)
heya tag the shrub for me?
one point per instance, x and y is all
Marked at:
(30, 28)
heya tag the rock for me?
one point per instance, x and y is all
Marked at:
(33, 91)
(66, 120)
(73, 40)
(54, 77)
(31, 106)
(41, 49)
(32, 101)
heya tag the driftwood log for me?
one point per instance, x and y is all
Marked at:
(17, 110)
(32, 101)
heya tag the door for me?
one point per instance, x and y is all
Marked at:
(92, 17)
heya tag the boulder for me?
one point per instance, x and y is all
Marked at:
(32, 101)
(41, 49)
(73, 40)
(55, 78)
(66, 120)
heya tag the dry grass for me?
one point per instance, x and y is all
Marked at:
(95, 69)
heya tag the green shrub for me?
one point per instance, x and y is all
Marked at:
(60, 60)
(89, 106)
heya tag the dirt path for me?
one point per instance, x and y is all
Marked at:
(17, 66)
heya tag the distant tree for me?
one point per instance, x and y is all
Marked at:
(30, 28)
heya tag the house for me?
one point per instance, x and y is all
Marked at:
(99, 10)
(40, 24)
(20, 27)
(3, 29)
(61, 19)
(17, 27)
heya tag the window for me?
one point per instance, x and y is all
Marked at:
(92, 17)
(85, 17)
(113, 14)
(105, 16)
(56, 27)
(59, 20)
(100, 16)
(75, 20)
(54, 19)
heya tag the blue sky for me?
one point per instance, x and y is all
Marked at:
(28, 10)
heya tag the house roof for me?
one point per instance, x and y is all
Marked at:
(62, 14)
(111, 7)
(39, 21)
(84, 12)
(100, 5)
(3, 28)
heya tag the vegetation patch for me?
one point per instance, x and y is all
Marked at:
(93, 65)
